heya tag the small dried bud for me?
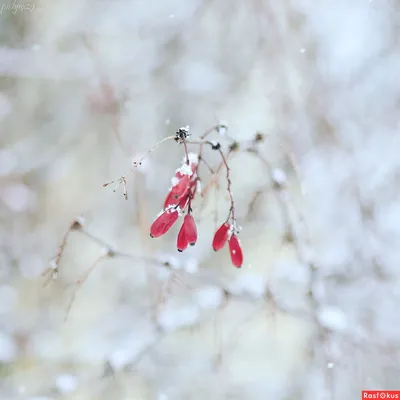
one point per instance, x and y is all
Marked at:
(182, 134)
(234, 146)
(77, 224)
(215, 145)
(107, 252)
(259, 137)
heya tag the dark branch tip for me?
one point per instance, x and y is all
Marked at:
(259, 137)
(234, 146)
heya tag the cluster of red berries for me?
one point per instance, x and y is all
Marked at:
(185, 185)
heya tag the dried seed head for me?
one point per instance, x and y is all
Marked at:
(182, 134)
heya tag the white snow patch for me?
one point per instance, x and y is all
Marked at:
(193, 158)
(18, 197)
(199, 187)
(174, 181)
(209, 297)
(8, 348)
(171, 319)
(5, 106)
(8, 162)
(332, 318)
(250, 285)
(66, 383)
(31, 265)
(279, 176)
(8, 298)
(202, 77)
(293, 272)
(130, 348)
(185, 170)
(191, 266)
(222, 128)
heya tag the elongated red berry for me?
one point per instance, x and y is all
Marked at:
(236, 251)
(187, 234)
(191, 229)
(163, 222)
(182, 240)
(221, 236)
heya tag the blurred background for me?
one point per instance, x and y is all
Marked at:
(87, 86)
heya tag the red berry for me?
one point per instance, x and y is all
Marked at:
(236, 251)
(163, 222)
(187, 234)
(221, 236)
(191, 229)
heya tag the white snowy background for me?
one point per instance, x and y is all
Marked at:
(87, 85)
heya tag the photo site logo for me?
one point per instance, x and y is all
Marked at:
(380, 394)
(14, 7)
